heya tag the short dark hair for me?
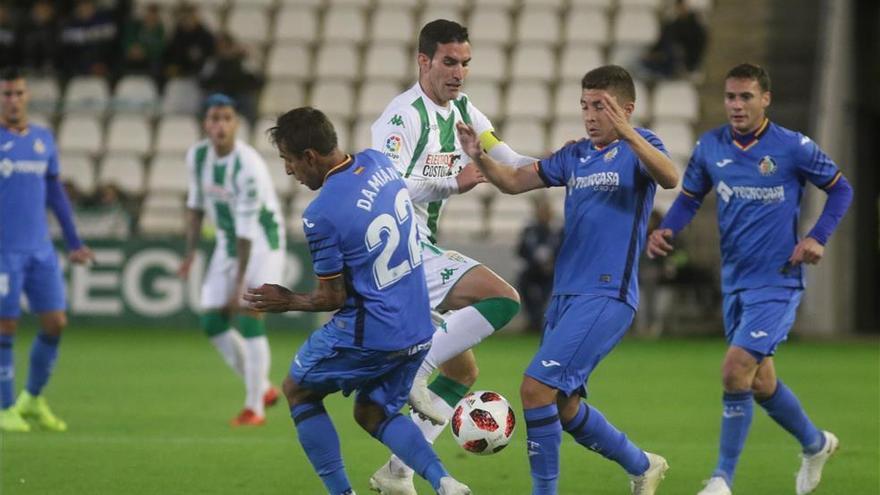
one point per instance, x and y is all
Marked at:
(613, 78)
(751, 71)
(439, 32)
(11, 73)
(301, 129)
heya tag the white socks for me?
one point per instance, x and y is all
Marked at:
(256, 372)
(230, 345)
(463, 329)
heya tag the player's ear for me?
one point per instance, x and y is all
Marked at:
(765, 98)
(629, 107)
(423, 60)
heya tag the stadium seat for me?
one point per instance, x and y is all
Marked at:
(261, 141)
(334, 98)
(374, 96)
(576, 60)
(337, 60)
(489, 25)
(626, 55)
(645, 4)
(296, 23)
(349, 3)
(343, 136)
(128, 134)
(676, 100)
(266, 4)
(636, 26)
(302, 3)
(162, 214)
(566, 99)
(488, 63)
(86, 94)
(564, 130)
(442, 10)
(587, 25)
(44, 94)
(406, 4)
(677, 136)
(362, 137)
(601, 4)
(527, 99)
(125, 170)
(135, 94)
(280, 95)
(168, 174)
(555, 5)
(525, 135)
(486, 96)
(389, 61)
(80, 134)
(533, 61)
(244, 133)
(289, 61)
(175, 134)
(642, 112)
(283, 183)
(249, 24)
(40, 118)
(79, 169)
(393, 23)
(344, 23)
(537, 24)
(211, 18)
(182, 96)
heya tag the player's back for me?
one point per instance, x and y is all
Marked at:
(25, 161)
(362, 227)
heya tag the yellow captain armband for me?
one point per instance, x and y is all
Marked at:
(488, 140)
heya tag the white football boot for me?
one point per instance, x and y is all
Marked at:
(646, 484)
(716, 486)
(810, 474)
(390, 481)
(451, 486)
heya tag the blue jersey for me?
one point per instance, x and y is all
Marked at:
(25, 161)
(362, 227)
(759, 187)
(608, 200)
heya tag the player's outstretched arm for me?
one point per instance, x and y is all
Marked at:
(506, 178)
(329, 295)
(677, 218)
(658, 165)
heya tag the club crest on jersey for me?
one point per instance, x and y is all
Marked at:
(611, 154)
(767, 166)
(6, 168)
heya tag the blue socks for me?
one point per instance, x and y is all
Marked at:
(783, 406)
(7, 372)
(321, 443)
(590, 429)
(735, 422)
(544, 435)
(44, 351)
(403, 437)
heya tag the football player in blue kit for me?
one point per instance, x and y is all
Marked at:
(29, 184)
(610, 179)
(365, 251)
(758, 170)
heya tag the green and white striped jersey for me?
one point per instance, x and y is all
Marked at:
(236, 193)
(420, 139)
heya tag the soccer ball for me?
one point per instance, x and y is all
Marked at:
(483, 422)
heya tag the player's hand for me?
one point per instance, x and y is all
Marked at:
(83, 255)
(470, 142)
(468, 178)
(807, 251)
(617, 116)
(269, 298)
(659, 243)
(185, 265)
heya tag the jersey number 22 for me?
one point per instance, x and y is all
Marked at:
(384, 274)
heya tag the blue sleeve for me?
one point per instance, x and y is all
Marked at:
(553, 169)
(813, 164)
(323, 240)
(681, 212)
(696, 182)
(54, 166)
(57, 200)
(840, 196)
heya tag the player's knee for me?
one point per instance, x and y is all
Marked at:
(535, 394)
(763, 388)
(462, 369)
(8, 327)
(53, 323)
(368, 416)
(498, 311)
(735, 378)
(293, 392)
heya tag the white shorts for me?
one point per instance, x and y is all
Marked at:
(443, 269)
(219, 282)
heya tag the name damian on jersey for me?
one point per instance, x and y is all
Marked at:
(376, 181)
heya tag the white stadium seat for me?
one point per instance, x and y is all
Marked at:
(566, 99)
(337, 60)
(80, 134)
(288, 60)
(389, 61)
(488, 63)
(168, 174)
(486, 96)
(135, 94)
(636, 26)
(248, 24)
(128, 134)
(587, 25)
(125, 170)
(296, 23)
(334, 98)
(526, 135)
(677, 136)
(489, 25)
(86, 94)
(175, 134)
(442, 10)
(182, 96)
(393, 23)
(564, 130)
(528, 99)
(676, 100)
(362, 138)
(374, 96)
(533, 61)
(537, 25)
(79, 169)
(345, 23)
(280, 95)
(577, 60)
(162, 214)
(44, 94)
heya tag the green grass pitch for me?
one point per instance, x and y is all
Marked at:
(148, 413)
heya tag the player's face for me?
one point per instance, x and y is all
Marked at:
(14, 97)
(305, 171)
(599, 128)
(221, 123)
(745, 104)
(443, 76)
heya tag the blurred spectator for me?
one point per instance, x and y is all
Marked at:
(88, 41)
(680, 47)
(143, 43)
(8, 37)
(190, 45)
(538, 245)
(227, 72)
(39, 42)
(487, 202)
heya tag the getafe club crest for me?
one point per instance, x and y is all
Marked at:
(611, 154)
(39, 147)
(767, 166)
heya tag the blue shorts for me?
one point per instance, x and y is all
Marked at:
(38, 274)
(381, 377)
(759, 319)
(580, 330)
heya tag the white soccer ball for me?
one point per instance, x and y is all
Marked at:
(483, 422)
